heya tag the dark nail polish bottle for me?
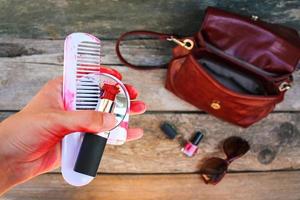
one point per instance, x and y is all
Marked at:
(191, 147)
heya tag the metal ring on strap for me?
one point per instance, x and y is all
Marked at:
(284, 86)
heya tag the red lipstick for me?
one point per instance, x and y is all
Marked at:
(93, 146)
(109, 92)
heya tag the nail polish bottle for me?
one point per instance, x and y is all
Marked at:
(191, 147)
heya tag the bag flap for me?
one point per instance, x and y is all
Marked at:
(272, 47)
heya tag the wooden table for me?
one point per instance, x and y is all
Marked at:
(31, 53)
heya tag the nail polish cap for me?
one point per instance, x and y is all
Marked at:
(197, 138)
(169, 130)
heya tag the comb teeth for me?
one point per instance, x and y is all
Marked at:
(88, 61)
(87, 94)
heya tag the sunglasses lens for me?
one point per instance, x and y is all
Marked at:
(235, 147)
(213, 170)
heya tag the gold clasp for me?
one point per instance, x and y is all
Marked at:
(186, 43)
(215, 105)
(254, 17)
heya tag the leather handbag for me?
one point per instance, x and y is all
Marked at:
(236, 68)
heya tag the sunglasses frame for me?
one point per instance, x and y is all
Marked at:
(227, 161)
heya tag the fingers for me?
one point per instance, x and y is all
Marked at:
(134, 134)
(65, 122)
(58, 79)
(53, 89)
(137, 107)
(112, 72)
(54, 83)
(131, 90)
(50, 96)
(133, 93)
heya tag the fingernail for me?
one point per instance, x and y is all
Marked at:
(139, 107)
(133, 93)
(113, 72)
(109, 121)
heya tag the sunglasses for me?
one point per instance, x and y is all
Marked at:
(214, 169)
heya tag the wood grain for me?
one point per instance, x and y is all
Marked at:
(275, 144)
(246, 186)
(42, 60)
(25, 79)
(108, 19)
(138, 169)
(141, 51)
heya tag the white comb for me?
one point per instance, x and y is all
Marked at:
(81, 58)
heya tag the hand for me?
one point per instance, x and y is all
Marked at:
(30, 141)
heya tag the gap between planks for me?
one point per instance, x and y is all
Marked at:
(246, 186)
(275, 144)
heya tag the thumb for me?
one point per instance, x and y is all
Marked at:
(65, 122)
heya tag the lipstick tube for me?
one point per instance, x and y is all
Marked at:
(93, 145)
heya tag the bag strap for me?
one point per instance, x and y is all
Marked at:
(187, 43)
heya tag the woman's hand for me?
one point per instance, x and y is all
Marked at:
(30, 141)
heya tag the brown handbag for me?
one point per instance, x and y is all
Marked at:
(236, 68)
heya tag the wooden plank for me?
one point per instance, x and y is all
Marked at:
(141, 52)
(275, 144)
(43, 60)
(246, 186)
(25, 79)
(56, 18)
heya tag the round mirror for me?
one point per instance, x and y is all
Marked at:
(91, 89)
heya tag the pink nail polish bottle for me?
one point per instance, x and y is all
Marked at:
(191, 147)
